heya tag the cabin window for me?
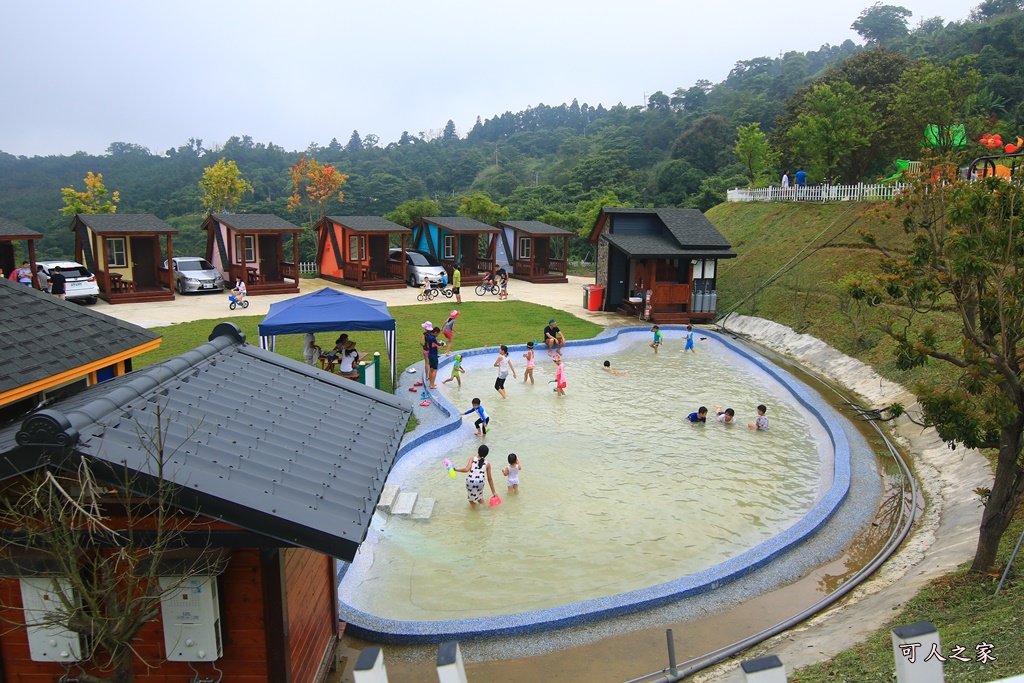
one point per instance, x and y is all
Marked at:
(245, 244)
(357, 247)
(525, 250)
(449, 247)
(116, 254)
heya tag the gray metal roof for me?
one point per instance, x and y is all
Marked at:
(369, 224)
(690, 227)
(534, 228)
(124, 222)
(256, 222)
(661, 246)
(459, 224)
(11, 230)
(44, 336)
(256, 439)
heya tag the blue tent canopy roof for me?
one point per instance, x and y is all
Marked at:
(327, 310)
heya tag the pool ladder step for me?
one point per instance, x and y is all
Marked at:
(394, 501)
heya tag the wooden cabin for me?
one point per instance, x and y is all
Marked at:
(353, 250)
(11, 232)
(93, 348)
(277, 478)
(253, 246)
(662, 259)
(123, 251)
(536, 251)
(457, 240)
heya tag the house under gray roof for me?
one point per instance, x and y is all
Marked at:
(689, 227)
(534, 228)
(123, 222)
(369, 224)
(44, 336)
(11, 230)
(261, 441)
(256, 222)
(661, 246)
(459, 224)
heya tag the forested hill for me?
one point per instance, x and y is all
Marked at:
(559, 163)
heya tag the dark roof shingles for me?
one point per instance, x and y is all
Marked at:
(369, 224)
(126, 222)
(256, 222)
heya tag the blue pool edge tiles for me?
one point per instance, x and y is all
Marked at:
(390, 631)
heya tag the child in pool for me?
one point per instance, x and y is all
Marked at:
(457, 370)
(761, 423)
(608, 368)
(512, 472)
(528, 373)
(689, 339)
(559, 375)
(700, 416)
(727, 416)
(482, 419)
(657, 338)
(479, 473)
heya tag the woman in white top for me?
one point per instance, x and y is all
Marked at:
(504, 365)
(349, 358)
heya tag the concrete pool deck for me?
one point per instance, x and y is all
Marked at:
(944, 537)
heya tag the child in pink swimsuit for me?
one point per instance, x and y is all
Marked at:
(529, 363)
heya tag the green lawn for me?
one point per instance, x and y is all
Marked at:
(479, 324)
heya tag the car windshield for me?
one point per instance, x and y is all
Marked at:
(201, 264)
(419, 259)
(70, 273)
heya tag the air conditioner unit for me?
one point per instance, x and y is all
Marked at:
(191, 618)
(42, 604)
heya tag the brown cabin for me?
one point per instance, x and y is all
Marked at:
(453, 240)
(282, 473)
(536, 251)
(355, 250)
(123, 251)
(11, 232)
(659, 264)
(253, 246)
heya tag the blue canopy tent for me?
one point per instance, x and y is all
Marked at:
(330, 311)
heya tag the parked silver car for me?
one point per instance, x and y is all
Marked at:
(418, 264)
(194, 274)
(80, 284)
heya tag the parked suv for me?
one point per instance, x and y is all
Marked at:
(194, 274)
(418, 264)
(80, 284)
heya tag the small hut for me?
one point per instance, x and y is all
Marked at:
(457, 240)
(354, 250)
(252, 246)
(536, 251)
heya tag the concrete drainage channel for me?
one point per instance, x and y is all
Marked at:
(678, 671)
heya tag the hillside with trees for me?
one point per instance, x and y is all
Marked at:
(844, 113)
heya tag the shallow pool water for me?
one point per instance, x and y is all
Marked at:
(618, 491)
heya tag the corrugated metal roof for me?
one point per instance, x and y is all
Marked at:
(124, 222)
(44, 336)
(11, 230)
(369, 224)
(535, 228)
(256, 222)
(256, 439)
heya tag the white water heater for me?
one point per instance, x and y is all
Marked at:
(43, 602)
(191, 618)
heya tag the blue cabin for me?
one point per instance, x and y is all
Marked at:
(661, 264)
(455, 240)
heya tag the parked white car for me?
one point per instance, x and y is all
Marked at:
(418, 264)
(194, 274)
(80, 283)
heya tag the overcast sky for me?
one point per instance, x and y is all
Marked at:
(80, 75)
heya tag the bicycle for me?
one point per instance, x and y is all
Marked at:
(426, 294)
(483, 288)
(235, 302)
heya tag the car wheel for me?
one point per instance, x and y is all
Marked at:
(412, 281)
(91, 300)
(179, 287)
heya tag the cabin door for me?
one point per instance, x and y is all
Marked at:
(144, 261)
(270, 257)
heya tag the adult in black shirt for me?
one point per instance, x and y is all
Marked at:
(57, 281)
(553, 337)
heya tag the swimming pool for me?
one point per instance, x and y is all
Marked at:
(622, 503)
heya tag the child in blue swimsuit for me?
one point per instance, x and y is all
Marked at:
(689, 339)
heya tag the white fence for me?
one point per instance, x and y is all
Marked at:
(308, 267)
(816, 193)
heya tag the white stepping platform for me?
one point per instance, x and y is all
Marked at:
(423, 509)
(404, 504)
(387, 498)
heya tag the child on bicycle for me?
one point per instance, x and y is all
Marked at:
(239, 290)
